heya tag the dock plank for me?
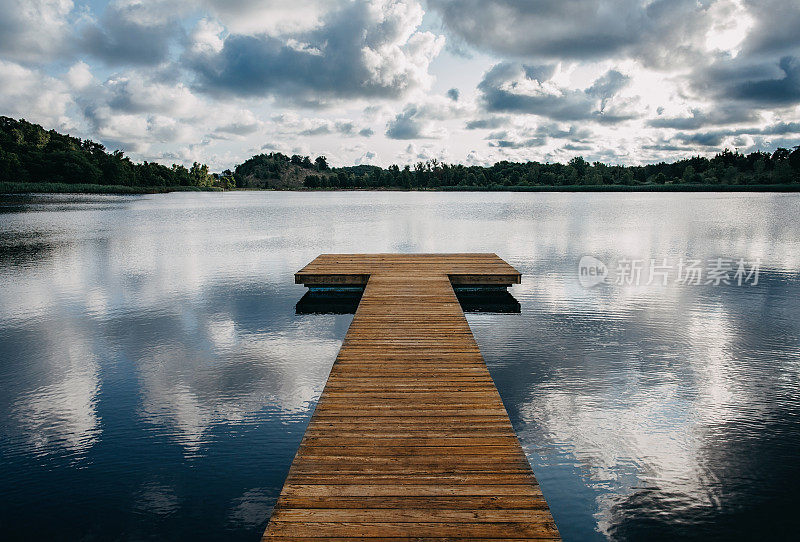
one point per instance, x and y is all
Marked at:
(410, 439)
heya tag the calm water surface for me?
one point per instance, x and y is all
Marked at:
(155, 380)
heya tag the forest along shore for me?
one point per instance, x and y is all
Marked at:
(33, 159)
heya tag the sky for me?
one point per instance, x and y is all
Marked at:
(401, 81)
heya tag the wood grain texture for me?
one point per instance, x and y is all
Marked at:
(410, 440)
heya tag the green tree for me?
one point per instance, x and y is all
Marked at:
(321, 163)
(199, 173)
(688, 174)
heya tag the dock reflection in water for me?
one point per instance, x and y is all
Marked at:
(345, 300)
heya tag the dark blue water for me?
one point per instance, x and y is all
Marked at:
(155, 380)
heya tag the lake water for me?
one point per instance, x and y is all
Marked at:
(155, 380)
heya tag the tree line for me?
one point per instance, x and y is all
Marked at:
(727, 168)
(29, 153)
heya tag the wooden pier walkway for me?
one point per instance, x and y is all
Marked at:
(410, 439)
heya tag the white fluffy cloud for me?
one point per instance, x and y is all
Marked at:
(33, 30)
(28, 93)
(424, 120)
(364, 49)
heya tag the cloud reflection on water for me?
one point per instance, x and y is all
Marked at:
(189, 390)
(155, 340)
(60, 413)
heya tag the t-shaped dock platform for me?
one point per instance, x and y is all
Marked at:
(410, 439)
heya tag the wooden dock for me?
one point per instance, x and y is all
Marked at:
(410, 439)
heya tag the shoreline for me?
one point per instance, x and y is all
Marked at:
(14, 188)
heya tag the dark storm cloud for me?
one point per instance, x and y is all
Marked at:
(502, 90)
(336, 60)
(453, 94)
(123, 36)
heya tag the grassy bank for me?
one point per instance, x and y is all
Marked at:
(67, 188)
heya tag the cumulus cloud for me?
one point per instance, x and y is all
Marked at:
(80, 76)
(512, 87)
(716, 138)
(135, 93)
(34, 30)
(781, 90)
(522, 137)
(365, 49)
(138, 114)
(726, 59)
(417, 153)
(407, 125)
(367, 158)
(242, 123)
(206, 38)
(292, 125)
(487, 123)
(474, 158)
(759, 82)
(697, 118)
(130, 32)
(270, 16)
(658, 31)
(417, 121)
(774, 30)
(29, 93)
